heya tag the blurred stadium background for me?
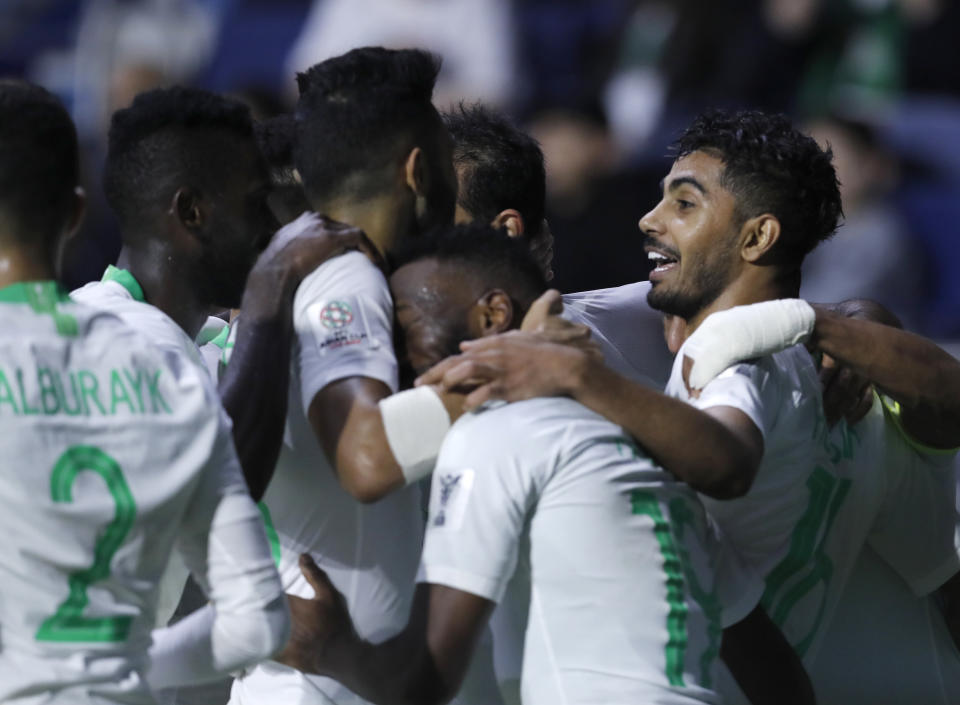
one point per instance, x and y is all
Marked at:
(603, 84)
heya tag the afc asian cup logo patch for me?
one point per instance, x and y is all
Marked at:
(336, 315)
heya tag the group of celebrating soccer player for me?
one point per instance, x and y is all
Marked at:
(408, 472)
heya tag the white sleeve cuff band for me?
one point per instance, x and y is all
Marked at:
(416, 422)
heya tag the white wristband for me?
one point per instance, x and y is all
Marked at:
(745, 332)
(416, 422)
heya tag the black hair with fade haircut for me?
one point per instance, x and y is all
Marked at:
(494, 258)
(39, 166)
(166, 134)
(353, 111)
(771, 167)
(500, 166)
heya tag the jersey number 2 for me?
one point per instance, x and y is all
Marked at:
(68, 622)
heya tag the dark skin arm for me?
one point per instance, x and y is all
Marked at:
(346, 420)
(423, 665)
(922, 377)
(514, 366)
(763, 663)
(254, 386)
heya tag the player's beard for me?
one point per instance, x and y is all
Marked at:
(686, 300)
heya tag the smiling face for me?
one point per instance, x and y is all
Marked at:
(692, 237)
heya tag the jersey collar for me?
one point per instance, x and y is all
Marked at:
(33, 293)
(125, 279)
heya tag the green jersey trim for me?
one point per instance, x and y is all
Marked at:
(27, 292)
(42, 297)
(220, 339)
(893, 412)
(126, 280)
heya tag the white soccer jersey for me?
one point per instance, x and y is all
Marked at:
(343, 316)
(821, 495)
(109, 447)
(629, 332)
(622, 606)
(120, 293)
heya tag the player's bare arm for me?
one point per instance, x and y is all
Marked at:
(423, 665)
(514, 366)
(254, 386)
(920, 376)
(923, 378)
(349, 423)
(763, 663)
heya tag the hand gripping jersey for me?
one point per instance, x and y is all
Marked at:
(822, 495)
(112, 451)
(343, 316)
(622, 606)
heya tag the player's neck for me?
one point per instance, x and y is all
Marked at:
(20, 265)
(376, 216)
(166, 286)
(747, 290)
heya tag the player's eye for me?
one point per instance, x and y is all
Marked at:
(684, 205)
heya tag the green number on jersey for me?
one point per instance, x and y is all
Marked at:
(68, 622)
(806, 565)
(678, 568)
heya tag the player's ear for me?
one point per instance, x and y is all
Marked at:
(491, 314)
(415, 172)
(78, 209)
(187, 208)
(758, 236)
(511, 220)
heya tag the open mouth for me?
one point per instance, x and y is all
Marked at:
(662, 261)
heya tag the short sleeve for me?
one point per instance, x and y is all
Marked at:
(749, 387)
(915, 531)
(478, 507)
(343, 320)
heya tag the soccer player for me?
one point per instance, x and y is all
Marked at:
(113, 452)
(746, 198)
(623, 607)
(372, 151)
(906, 446)
(501, 179)
(189, 188)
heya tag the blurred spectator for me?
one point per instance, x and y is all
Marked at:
(872, 255)
(475, 38)
(593, 204)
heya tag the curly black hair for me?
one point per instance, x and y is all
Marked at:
(771, 167)
(165, 133)
(38, 159)
(494, 258)
(355, 113)
(500, 166)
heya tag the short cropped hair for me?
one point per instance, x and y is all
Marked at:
(491, 255)
(357, 111)
(771, 167)
(276, 137)
(500, 166)
(166, 135)
(38, 159)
